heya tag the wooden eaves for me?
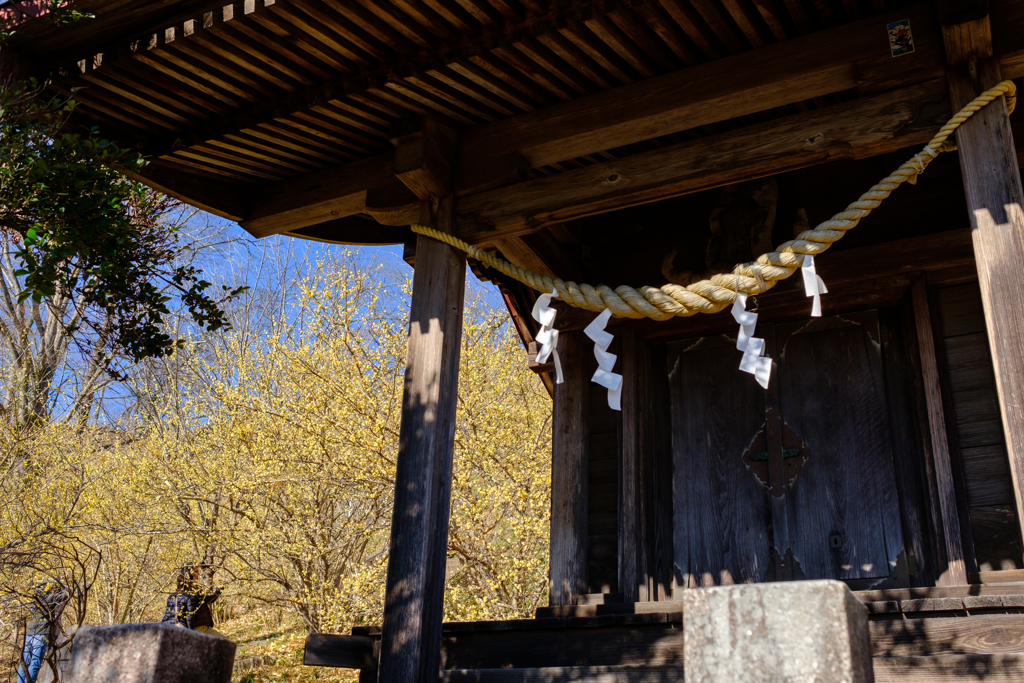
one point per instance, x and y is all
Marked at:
(234, 134)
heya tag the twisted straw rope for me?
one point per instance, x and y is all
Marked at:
(718, 292)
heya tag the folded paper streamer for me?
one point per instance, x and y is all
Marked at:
(605, 361)
(813, 285)
(753, 360)
(548, 335)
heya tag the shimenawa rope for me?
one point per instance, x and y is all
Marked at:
(718, 292)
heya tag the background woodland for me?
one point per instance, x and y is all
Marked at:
(265, 451)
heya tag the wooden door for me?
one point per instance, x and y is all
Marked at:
(721, 513)
(842, 510)
(826, 499)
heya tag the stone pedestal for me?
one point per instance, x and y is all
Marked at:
(795, 632)
(150, 653)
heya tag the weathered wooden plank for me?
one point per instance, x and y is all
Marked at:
(660, 562)
(960, 310)
(934, 592)
(645, 505)
(604, 448)
(720, 509)
(996, 538)
(317, 197)
(782, 544)
(864, 127)
(984, 431)
(413, 603)
(647, 644)
(970, 363)
(738, 85)
(594, 674)
(982, 634)
(990, 578)
(992, 186)
(216, 195)
(908, 458)
(569, 473)
(424, 155)
(659, 646)
(354, 230)
(346, 652)
(956, 572)
(987, 476)
(950, 668)
(632, 474)
(842, 509)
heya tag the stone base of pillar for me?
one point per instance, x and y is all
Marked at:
(150, 653)
(794, 632)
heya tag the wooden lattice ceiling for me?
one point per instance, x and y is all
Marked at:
(245, 104)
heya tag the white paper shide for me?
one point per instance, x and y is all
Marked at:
(548, 335)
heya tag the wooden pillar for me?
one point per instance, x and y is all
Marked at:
(995, 199)
(569, 472)
(955, 573)
(633, 544)
(645, 474)
(413, 604)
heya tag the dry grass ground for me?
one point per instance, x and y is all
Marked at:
(270, 649)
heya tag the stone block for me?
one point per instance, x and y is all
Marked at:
(150, 653)
(793, 632)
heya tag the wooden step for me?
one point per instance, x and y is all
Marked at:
(591, 674)
(987, 647)
(988, 634)
(599, 599)
(951, 599)
(933, 669)
(950, 669)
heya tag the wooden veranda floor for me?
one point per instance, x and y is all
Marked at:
(933, 635)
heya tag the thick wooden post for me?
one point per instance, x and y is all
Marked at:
(995, 203)
(569, 472)
(633, 572)
(942, 459)
(411, 632)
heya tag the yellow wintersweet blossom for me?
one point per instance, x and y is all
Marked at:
(269, 457)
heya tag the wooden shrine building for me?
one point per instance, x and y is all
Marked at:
(641, 143)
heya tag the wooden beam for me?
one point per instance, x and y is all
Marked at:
(425, 150)
(864, 127)
(569, 472)
(414, 596)
(393, 204)
(861, 270)
(542, 253)
(215, 195)
(317, 197)
(995, 203)
(345, 652)
(956, 568)
(742, 84)
(953, 12)
(355, 230)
